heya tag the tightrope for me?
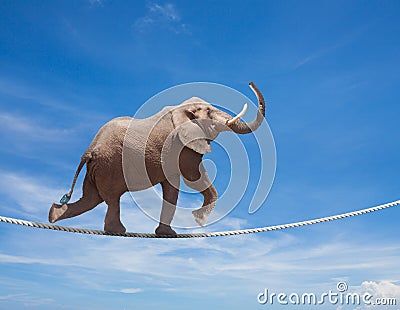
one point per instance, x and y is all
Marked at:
(199, 235)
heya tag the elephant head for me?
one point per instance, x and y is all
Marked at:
(198, 122)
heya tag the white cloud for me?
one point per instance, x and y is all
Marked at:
(20, 90)
(161, 15)
(96, 2)
(28, 130)
(253, 259)
(33, 137)
(64, 102)
(383, 288)
(10, 297)
(130, 290)
(26, 299)
(388, 290)
(279, 260)
(32, 196)
(14, 259)
(232, 259)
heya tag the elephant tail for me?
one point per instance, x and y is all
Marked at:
(85, 158)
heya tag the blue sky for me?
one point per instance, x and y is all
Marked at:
(330, 74)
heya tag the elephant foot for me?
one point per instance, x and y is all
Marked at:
(56, 212)
(165, 230)
(201, 216)
(115, 228)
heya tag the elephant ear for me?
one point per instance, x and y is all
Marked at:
(189, 132)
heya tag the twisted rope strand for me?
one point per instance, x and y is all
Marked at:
(200, 235)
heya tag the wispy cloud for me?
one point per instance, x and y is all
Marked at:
(129, 290)
(161, 16)
(208, 264)
(63, 102)
(30, 137)
(13, 259)
(28, 129)
(21, 90)
(215, 262)
(345, 40)
(316, 54)
(10, 297)
(26, 299)
(96, 2)
(31, 196)
(307, 59)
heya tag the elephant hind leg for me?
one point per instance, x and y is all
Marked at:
(90, 199)
(112, 222)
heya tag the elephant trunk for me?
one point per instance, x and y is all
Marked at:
(243, 127)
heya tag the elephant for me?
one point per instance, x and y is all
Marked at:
(130, 154)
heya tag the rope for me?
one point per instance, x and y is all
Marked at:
(200, 235)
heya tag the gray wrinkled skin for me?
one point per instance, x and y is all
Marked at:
(134, 154)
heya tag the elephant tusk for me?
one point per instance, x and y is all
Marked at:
(237, 117)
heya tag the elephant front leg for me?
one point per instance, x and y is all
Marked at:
(170, 198)
(199, 181)
(210, 200)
